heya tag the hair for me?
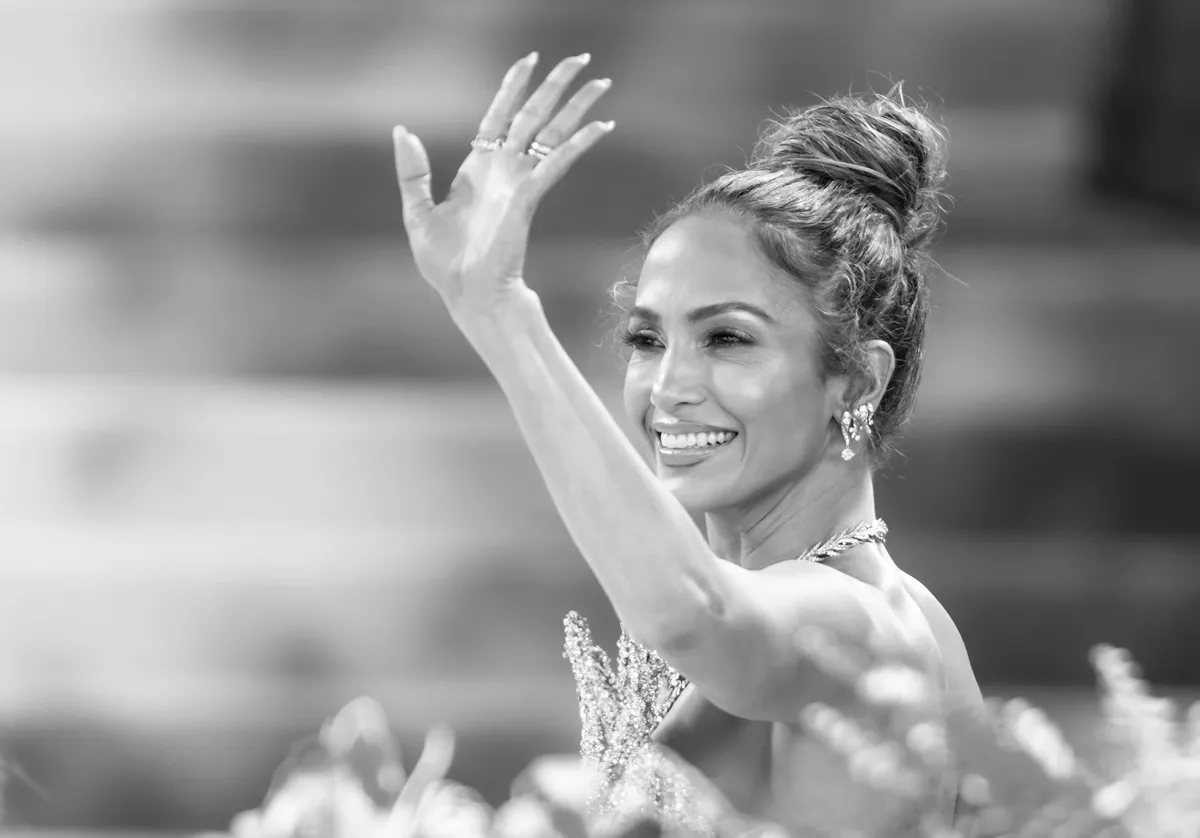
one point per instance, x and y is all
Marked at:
(844, 197)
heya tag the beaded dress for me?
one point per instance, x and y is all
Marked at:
(620, 709)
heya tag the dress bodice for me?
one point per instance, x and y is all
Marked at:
(619, 711)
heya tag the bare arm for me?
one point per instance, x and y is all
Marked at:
(647, 554)
(730, 631)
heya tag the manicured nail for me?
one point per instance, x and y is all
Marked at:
(532, 57)
(584, 58)
(608, 126)
(604, 82)
(398, 132)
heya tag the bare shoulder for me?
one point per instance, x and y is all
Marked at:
(955, 659)
(889, 611)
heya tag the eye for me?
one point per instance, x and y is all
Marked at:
(640, 339)
(727, 338)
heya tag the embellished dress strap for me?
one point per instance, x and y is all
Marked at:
(619, 711)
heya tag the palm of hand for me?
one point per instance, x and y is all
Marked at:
(475, 239)
(471, 247)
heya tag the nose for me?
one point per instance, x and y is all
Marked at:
(679, 380)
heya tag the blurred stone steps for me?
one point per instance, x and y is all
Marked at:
(1016, 329)
(121, 605)
(240, 454)
(1016, 174)
(334, 529)
(316, 603)
(263, 457)
(1050, 53)
(263, 120)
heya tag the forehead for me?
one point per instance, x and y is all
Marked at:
(708, 259)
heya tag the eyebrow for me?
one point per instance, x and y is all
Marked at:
(704, 312)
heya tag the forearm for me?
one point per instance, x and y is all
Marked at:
(644, 549)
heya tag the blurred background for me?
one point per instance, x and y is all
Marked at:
(249, 470)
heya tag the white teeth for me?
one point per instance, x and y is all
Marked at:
(700, 440)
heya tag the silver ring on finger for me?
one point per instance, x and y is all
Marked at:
(482, 143)
(540, 151)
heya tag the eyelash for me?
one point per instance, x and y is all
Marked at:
(720, 338)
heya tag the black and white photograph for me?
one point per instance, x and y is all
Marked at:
(578, 419)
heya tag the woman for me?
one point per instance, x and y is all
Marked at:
(776, 333)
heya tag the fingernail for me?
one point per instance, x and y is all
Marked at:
(604, 82)
(608, 126)
(532, 57)
(584, 57)
(398, 132)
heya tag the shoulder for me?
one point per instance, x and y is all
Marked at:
(902, 607)
(867, 591)
(960, 677)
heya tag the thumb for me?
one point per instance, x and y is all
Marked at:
(412, 173)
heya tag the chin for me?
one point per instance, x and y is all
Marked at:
(699, 488)
(697, 496)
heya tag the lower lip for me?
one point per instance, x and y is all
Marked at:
(689, 456)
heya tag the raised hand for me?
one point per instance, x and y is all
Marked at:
(471, 247)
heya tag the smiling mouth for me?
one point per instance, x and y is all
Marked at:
(685, 442)
(688, 448)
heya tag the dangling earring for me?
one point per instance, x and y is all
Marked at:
(854, 425)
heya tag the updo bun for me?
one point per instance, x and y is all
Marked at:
(881, 148)
(844, 196)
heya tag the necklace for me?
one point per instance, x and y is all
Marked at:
(861, 533)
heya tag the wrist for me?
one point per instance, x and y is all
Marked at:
(506, 313)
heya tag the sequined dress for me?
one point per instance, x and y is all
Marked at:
(620, 709)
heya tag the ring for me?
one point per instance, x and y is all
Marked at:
(539, 150)
(483, 143)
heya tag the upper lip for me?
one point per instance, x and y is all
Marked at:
(687, 428)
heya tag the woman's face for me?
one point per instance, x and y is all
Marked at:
(725, 351)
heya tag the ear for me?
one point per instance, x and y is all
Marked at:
(881, 363)
(867, 386)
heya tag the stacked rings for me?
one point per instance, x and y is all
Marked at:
(539, 150)
(483, 143)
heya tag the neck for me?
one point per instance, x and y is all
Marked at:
(786, 521)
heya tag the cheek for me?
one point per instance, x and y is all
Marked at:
(743, 391)
(785, 405)
(636, 392)
(757, 387)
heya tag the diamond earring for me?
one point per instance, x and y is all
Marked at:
(854, 425)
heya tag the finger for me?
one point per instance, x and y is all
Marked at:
(566, 122)
(536, 111)
(508, 97)
(412, 173)
(550, 171)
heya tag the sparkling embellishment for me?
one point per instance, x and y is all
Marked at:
(860, 533)
(855, 425)
(620, 710)
(539, 151)
(482, 143)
